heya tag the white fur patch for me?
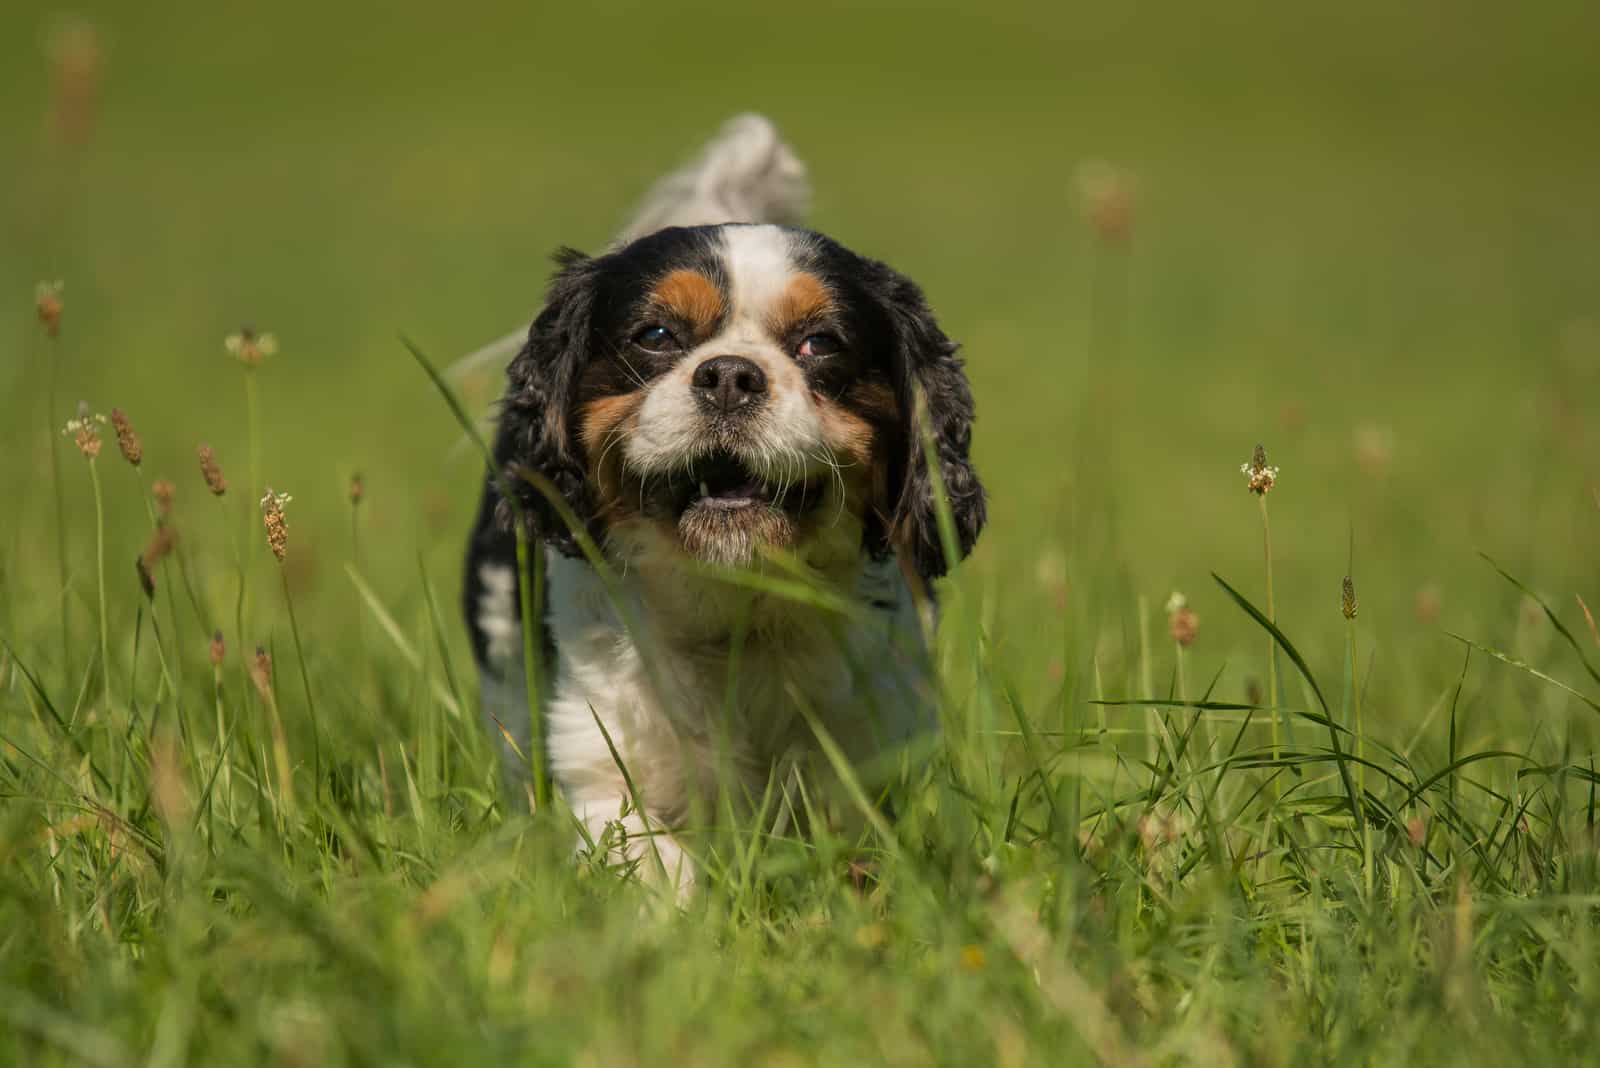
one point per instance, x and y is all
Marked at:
(760, 262)
(497, 613)
(665, 702)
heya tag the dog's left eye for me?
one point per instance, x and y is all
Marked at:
(820, 345)
(655, 339)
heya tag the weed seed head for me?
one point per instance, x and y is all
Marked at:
(1106, 194)
(1428, 605)
(249, 347)
(156, 550)
(47, 299)
(1182, 622)
(1260, 477)
(1347, 598)
(163, 491)
(213, 474)
(277, 527)
(358, 489)
(159, 547)
(127, 437)
(219, 649)
(85, 430)
(76, 62)
(260, 671)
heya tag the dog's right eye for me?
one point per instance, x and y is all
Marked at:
(655, 339)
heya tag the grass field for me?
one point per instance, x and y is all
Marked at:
(1366, 238)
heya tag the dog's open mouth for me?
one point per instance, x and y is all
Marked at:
(722, 482)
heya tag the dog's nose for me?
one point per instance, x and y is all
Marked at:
(728, 383)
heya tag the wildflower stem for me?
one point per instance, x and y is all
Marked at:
(305, 680)
(61, 515)
(1272, 649)
(1146, 684)
(252, 425)
(253, 431)
(238, 601)
(1361, 750)
(361, 615)
(280, 757)
(226, 765)
(166, 574)
(100, 572)
(1198, 734)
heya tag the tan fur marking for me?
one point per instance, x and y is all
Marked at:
(604, 415)
(691, 297)
(601, 421)
(805, 297)
(847, 433)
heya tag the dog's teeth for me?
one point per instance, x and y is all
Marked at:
(704, 491)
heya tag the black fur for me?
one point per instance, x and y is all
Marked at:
(930, 384)
(893, 319)
(535, 415)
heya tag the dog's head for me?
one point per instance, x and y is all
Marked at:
(704, 392)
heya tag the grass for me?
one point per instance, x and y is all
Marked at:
(1361, 237)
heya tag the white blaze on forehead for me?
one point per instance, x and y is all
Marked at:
(760, 262)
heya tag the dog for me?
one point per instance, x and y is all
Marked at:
(719, 410)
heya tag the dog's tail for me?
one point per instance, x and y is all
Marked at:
(744, 174)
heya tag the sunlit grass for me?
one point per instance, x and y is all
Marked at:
(196, 876)
(257, 819)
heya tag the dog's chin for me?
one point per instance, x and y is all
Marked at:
(734, 536)
(721, 511)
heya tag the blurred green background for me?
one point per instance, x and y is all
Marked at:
(1364, 234)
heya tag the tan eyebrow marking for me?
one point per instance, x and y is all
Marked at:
(804, 297)
(690, 296)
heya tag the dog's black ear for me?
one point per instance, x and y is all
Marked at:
(933, 397)
(536, 432)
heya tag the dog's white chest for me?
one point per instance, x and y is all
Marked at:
(684, 703)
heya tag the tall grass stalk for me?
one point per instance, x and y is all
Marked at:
(305, 680)
(240, 575)
(100, 573)
(253, 436)
(1147, 681)
(146, 494)
(530, 574)
(530, 583)
(1347, 605)
(266, 687)
(61, 523)
(1272, 648)
(253, 431)
(218, 656)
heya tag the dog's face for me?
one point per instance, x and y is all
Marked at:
(715, 390)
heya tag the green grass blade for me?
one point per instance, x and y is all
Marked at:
(1550, 614)
(1357, 808)
(1507, 658)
